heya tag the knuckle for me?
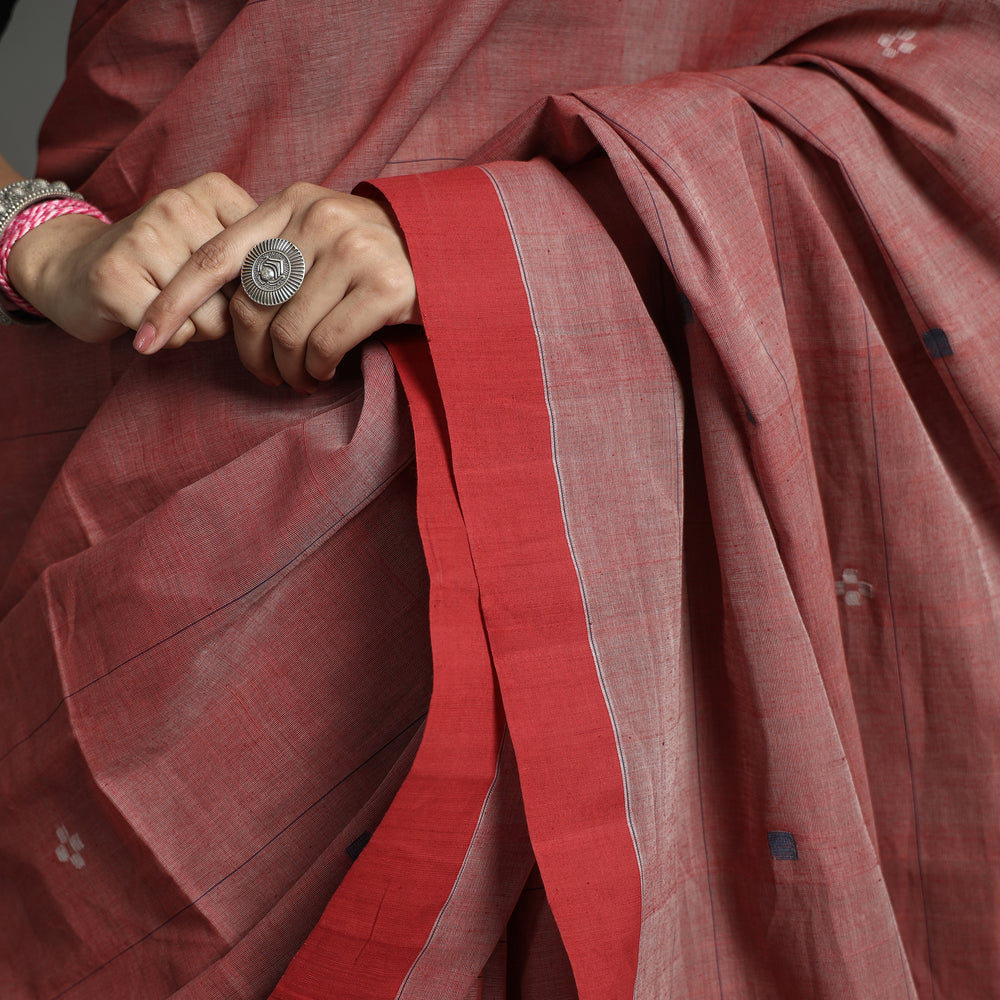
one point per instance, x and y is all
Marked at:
(183, 335)
(287, 200)
(144, 234)
(214, 182)
(284, 333)
(174, 203)
(325, 214)
(211, 258)
(109, 269)
(392, 293)
(164, 308)
(325, 352)
(211, 322)
(165, 197)
(299, 191)
(243, 311)
(323, 368)
(395, 283)
(359, 243)
(322, 373)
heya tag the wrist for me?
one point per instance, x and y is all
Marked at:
(37, 258)
(25, 205)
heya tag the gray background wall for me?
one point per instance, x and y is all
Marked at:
(32, 64)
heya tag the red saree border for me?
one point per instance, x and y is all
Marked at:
(486, 361)
(382, 915)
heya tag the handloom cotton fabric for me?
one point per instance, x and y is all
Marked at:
(702, 561)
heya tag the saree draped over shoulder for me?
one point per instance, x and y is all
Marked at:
(633, 630)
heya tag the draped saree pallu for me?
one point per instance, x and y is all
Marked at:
(705, 517)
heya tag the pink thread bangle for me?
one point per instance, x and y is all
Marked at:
(28, 219)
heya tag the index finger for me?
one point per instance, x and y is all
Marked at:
(210, 267)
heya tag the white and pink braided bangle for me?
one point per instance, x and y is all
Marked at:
(26, 220)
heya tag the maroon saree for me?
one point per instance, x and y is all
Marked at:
(667, 668)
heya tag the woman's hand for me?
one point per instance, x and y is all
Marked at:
(358, 279)
(96, 281)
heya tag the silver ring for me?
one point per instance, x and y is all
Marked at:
(273, 272)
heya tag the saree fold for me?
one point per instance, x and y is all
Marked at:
(701, 555)
(759, 682)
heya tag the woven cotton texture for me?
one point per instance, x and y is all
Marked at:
(628, 632)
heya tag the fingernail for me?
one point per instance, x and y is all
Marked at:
(145, 336)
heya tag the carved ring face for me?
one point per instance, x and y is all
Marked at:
(273, 272)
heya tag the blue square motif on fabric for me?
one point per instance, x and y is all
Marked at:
(937, 343)
(782, 845)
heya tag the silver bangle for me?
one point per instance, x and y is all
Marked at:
(13, 199)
